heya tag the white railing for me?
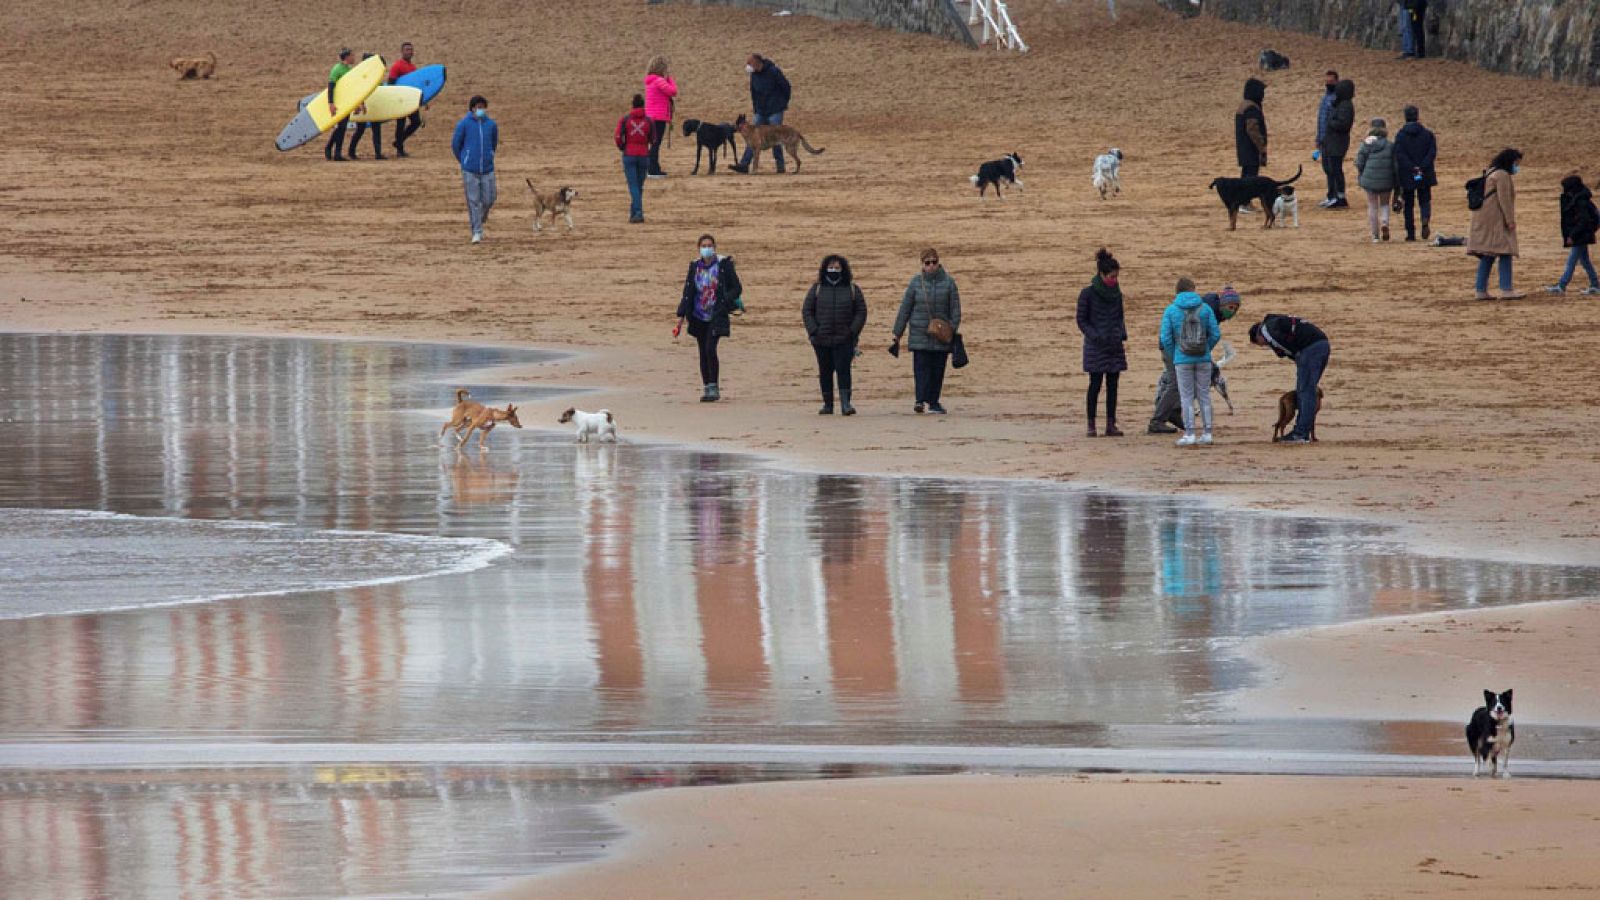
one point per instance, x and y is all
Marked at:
(997, 25)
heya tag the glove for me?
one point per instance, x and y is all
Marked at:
(894, 349)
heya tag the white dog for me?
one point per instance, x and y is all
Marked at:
(1286, 205)
(1219, 380)
(592, 424)
(1108, 172)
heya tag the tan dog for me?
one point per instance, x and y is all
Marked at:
(485, 420)
(464, 412)
(189, 67)
(556, 204)
(764, 137)
(1288, 408)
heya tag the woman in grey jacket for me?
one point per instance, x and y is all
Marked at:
(1376, 173)
(931, 295)
(834, 313)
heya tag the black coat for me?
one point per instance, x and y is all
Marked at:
(834, 314)
(1250, 125)
(769, 90)
(1290, 334)
(1336, 142)
(728, 290)
(1415, 148)
(1579, 218)
(1100, 319)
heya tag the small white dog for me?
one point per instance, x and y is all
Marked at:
(1219, 380)
(592, 424)
(1108, 172)
(1285, 206)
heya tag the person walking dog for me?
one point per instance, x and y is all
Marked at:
(1297, 339)
(474, 143)
(931, 309)
(834, 312)
(1105, 338)
(769, 98)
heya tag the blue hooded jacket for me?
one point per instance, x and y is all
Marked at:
(1323, 110)
(1172, 323)
(474, 144)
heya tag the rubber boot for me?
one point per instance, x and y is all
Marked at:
(1092, 432)
(1111, 428)
(827, 405)
(705, 394)
(713, 393)
(847, 409)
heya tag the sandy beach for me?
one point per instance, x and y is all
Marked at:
(1461, 423)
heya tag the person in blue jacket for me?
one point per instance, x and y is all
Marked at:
(769, 97)
(1189, 331)
(474, 142)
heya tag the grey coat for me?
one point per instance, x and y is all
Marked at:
(1375, 163)
(928, 298)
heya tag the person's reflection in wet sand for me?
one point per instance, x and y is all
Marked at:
(726, 588)
(1102, 554)
(860, 617)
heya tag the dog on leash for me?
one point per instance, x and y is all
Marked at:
(710, 139)
(1288, 408)
(558, 203)
(1108, 173)
(601, 425)
(484, 421)
(1490, 734)
(463, 413)
(1271, 60)
(192, 67)
(1005, 170)
(1285, 206)
(1237, 192)
(762, 138)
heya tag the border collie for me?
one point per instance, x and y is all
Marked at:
(998, 171)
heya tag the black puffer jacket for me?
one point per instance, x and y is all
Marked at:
(1100, 319)
(1250, 125)
(834, 313)
(1579, 220)
(729, 289)
(1415, 148)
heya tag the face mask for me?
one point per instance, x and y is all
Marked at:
(1330, 87)
(834, 275)
(480, 112)
(708, 252)
(749, 69)
(1110, 280)
(1515, 168)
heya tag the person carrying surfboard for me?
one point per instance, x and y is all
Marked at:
(474, 143)
(404, 128)
(377, 132)
(334, 149)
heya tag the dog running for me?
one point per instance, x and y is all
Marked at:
(1108, 173)
(709, 139)
(463, 413)
(1005, 170)
(762, 138)
(484, 421)
(1490, 734)
(191, 67)
(1288, 408)
(1237, 192)
(558, 203)
(601, 425)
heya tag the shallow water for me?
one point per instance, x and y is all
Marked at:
(652, 596)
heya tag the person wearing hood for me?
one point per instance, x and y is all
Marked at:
(1168, 415)
(834, 313)
(1250, 131)
(1414, 153)
(1189, 331)
(1336, 142)
(1330, 80)
(1105, 337)
(711, 292)
(931, 295)
(1375, 172)
(1493, 234)
(1579, 221)
(769, 98)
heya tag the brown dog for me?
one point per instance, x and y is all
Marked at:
(764, 137)
(485, 420)
(1288, 408)
(464, 412)
(556, 204)
(189, 67)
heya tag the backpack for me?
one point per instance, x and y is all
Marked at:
(1192, 336)
(1475, 194)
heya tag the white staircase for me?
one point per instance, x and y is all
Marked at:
(990, 23)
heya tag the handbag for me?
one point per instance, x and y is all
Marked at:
(941, 331)
(958, 351)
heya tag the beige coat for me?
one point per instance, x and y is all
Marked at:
(1494, 224)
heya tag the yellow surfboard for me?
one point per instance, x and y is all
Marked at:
(350, 92)
(388, 103)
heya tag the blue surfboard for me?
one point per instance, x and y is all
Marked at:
(428, 79)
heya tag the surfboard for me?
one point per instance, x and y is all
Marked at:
(387, 103)
(351, 91)
(428, 79)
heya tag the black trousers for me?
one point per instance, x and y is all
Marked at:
(833, 361)
(657, 134)
(1410, 198)
(404, 129)
(1419, 33)
(710, 367)
(334, 149)
(927, 369)
(1335, 168)
(377, 138)
(1111, 379)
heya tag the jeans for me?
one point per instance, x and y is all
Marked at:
(777, 152)
(1408, 40)
(657, 134)
(833, 361)
(1378, 210)
(1194, 390)
(1485, 263)
(927, 368)
(377, 138)
(404, 129)
(480, 197)
(1579, 254)
(1309, 364)
(334, 148)
(1412, 197)
(1110, 379)
(710, 366)
(634, 168)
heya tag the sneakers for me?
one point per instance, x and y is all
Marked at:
(1295, 439)
(1324, 204)
(1160, 428)
(477, 237)
(1375, 240)
(1205, 439)
(1248, 208)
(920, 408)
(1340, 203)
(936, 409)
(655, 175)
(1591, 292)
(1557, 289)
(1513, 295)
(1188, 440)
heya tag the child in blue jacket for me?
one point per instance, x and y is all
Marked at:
(1189, 331)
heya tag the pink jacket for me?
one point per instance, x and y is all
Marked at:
(658, 94)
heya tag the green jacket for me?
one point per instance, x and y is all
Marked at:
(928, 297)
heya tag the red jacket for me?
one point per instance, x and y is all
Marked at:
(402, 66)
(634, 132)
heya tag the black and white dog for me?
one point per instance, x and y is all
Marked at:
(710, 138)
(1490, 734)
(1271, 60)
(1004, 170)
(1108, 172)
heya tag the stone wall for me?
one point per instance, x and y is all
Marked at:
(1556, 39)
(936, 17)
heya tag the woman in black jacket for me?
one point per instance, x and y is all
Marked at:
(711, 291)
(1105, 334)
(834, 312)
(1579, 221)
